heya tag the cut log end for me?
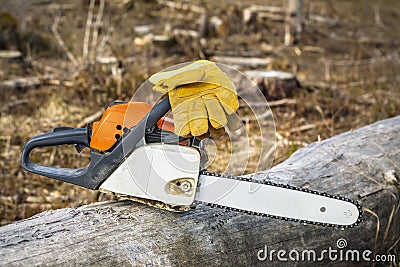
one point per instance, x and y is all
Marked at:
(274, 85)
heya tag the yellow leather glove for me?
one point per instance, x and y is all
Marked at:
(202, 98)
(198, 71)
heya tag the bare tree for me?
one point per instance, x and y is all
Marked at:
(294, 21)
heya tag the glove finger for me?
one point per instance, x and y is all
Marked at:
(216, 113)
(228, 99)
(181, 119)
(234, 122)
(198, 117)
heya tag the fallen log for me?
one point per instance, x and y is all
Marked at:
(251, 13)
(21, 83)
(28, 83)
(252, 62)
(363, 164)
(10, 56)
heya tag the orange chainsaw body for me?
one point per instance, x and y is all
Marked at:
(119, 116)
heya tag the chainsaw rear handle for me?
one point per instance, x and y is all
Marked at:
(78, 136)
(101, 163)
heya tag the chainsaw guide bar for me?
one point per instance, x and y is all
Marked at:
(290, 187)
(178, 209)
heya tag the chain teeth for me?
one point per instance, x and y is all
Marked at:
(305, 222)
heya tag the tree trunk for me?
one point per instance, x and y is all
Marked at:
(363, 164)
(294, 21)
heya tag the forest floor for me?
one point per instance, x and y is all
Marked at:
(347, 61)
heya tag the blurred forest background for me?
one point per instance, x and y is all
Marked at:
(62, 62)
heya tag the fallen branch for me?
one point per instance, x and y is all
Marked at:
(11, 56)
(25, 83)
(183, 6)
(275, 13)
(54, 81)
(90, 119)
(60, 41)
(243, 61)
(333, 85)
(14, 104)
(394, 56)
(277, 103)
(21, 83)
(303, 128)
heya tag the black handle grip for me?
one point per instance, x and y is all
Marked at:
(102, 164)
(77, 136)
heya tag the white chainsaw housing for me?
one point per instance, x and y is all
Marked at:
(167, 173)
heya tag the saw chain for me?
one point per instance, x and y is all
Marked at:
(161, 205)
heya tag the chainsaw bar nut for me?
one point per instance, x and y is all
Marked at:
(186, 186)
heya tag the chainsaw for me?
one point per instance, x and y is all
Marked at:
(134, 153)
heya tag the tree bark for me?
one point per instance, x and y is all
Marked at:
(363, 164)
